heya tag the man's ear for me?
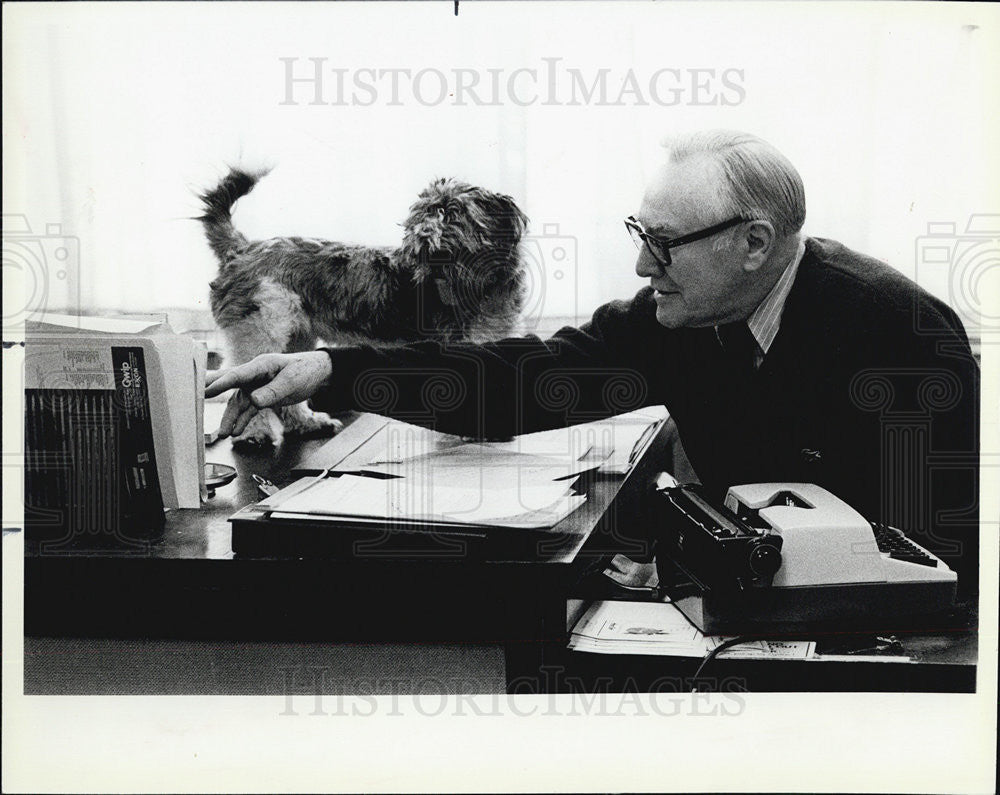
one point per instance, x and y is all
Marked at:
(760, 237)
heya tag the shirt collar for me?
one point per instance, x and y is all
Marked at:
(766, 318)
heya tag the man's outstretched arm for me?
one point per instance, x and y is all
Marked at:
(490, 390)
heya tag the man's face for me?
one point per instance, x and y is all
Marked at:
(702, 286)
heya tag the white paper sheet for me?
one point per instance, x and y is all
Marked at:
(500, 476)
(657, 628)
(609, 444)
(475, 462)
(102, 325)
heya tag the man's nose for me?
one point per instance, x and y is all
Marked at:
(646, 264)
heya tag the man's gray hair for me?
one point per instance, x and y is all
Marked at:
(758, 182)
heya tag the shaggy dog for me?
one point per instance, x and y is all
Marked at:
(457, 276)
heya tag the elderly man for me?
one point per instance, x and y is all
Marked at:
(780, 358)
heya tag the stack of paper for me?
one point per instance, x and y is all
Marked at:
(442, 478)
(506, 504)
(658, 628)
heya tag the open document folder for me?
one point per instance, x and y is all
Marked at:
(393, 470)
(380, 445)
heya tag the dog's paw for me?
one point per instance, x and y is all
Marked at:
(263, 430)
(301, 421)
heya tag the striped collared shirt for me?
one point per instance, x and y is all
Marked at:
(766, 318)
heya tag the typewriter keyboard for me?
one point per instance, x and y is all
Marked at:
(899, 547)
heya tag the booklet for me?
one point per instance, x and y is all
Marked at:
(659, 628)
(70, 355)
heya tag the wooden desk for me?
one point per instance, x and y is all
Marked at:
(190, 586)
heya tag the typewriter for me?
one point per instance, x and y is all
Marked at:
(784, 557)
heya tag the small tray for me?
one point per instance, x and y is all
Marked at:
(217, 475)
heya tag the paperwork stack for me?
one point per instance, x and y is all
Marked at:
(386, 488)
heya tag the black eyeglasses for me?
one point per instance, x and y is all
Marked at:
(660, 247)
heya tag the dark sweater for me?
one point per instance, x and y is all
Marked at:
(869, 390)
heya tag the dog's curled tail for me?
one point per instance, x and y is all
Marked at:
(218, 203)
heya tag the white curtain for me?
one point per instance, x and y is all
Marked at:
(116, 113)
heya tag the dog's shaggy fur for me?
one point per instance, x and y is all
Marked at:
(456, 277)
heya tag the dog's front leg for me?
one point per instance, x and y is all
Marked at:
(274, 321)
(300, 420)
(263, 429)
(268, 426)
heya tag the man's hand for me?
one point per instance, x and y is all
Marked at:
(270, 380)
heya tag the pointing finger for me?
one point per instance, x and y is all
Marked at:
(219, 382)
(237, 404)
(248, 374)
(244, 419)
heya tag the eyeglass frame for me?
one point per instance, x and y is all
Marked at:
(632, 223)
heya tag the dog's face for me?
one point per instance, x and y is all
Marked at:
(463, 238)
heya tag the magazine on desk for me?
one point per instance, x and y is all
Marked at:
(659, 628)
(114, 422)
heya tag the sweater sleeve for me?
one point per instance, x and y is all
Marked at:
(500, 389)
